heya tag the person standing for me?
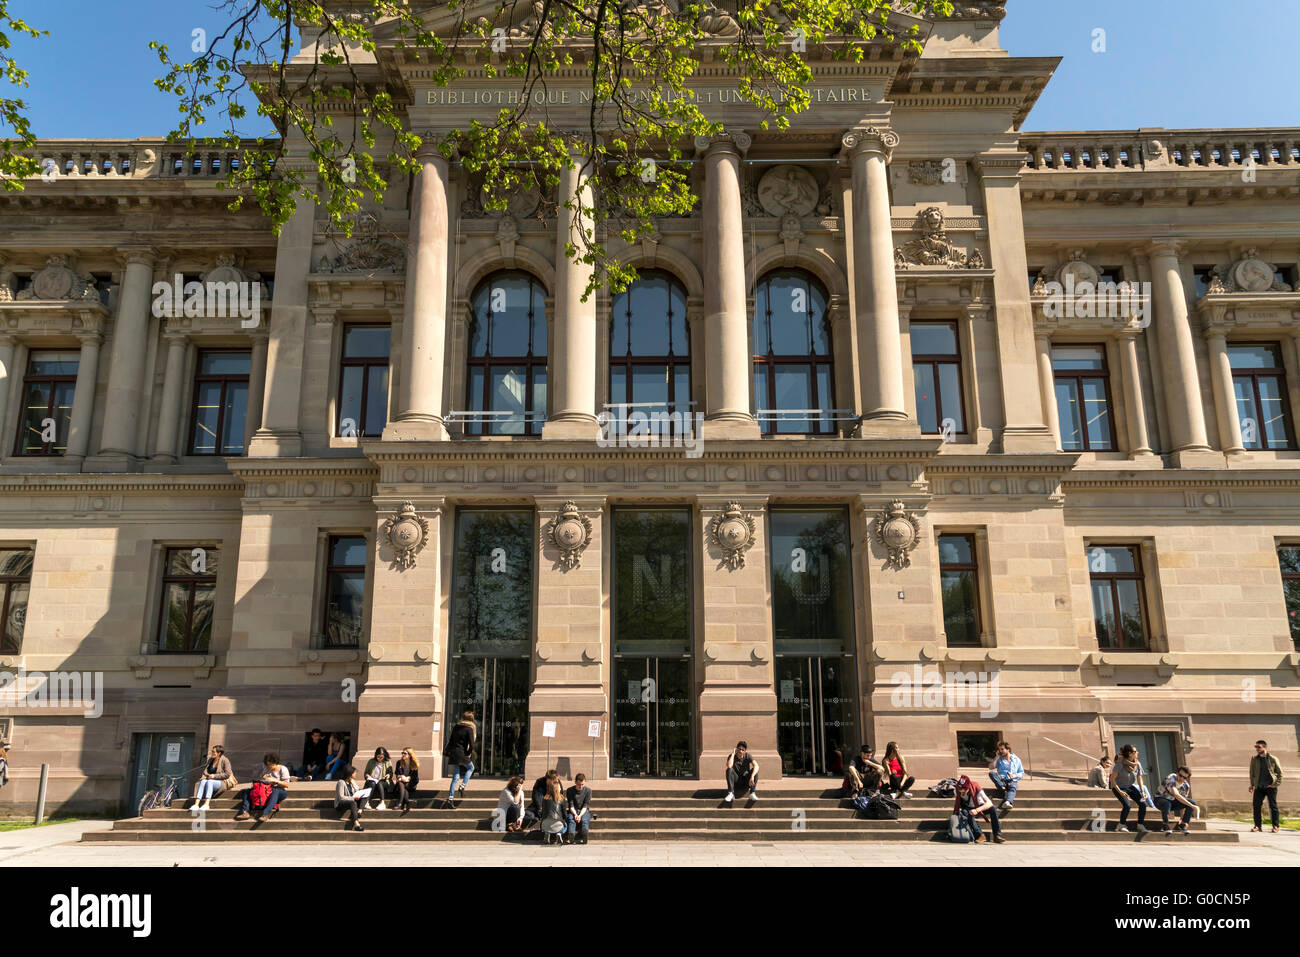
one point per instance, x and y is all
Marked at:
(406, 776)
(215, 775)
(1265, 776)
(742, 773)
(896, 768)
(1126, 783)
(579, 818)
(459, 753)
(1007, 770)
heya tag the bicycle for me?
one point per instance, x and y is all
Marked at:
(162, 795)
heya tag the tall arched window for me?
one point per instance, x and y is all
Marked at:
(794, 382)
(506, 381)
(649, 348)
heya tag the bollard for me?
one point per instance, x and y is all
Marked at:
(40, 794)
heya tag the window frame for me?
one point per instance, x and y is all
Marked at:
(364, 363)
(1254, 375)
(771, 361)
(671, 361)
(330, 569)
(1077, 376)
(200, 378)
(48, 449)
(974, 568)
(193, 580)
(489, 360)
(1113, 578)
(1293, 624)
(934, 360)
(6, 593)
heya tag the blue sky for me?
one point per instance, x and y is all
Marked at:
(1170, 63)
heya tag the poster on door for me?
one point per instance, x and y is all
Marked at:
(173, 753)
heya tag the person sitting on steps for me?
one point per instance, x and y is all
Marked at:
(533, 814)
(1099, 777)
(345, 796)
(742, 773)
(1176, 795)
(216, 774)
(864, 774)
(1006, 774)
(579, 815)
(379, 777)
(276, 776)
(896, 768)
(406, 776)
(972, 802)
(315, 752)
(553, 813)
(1126, 783)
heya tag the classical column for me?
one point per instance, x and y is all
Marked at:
(1225, 396)
(256, 383)
(573, 391)
(6, 374)
(1178, 359)
(1047, 384)
(1152, 337)
(83, 396)
(1135, 406)
(725, 303)
(983, 435)
(126, 378)
(279, 433)
(424, 323)
(875, 289)
(170, 411)
(1025, 427)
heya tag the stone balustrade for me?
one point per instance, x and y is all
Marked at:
(1154, 149)
(136, 159)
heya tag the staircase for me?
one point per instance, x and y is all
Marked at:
(654, 811)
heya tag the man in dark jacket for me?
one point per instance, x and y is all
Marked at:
(1265, 776)
(579, 798)
(314, 755)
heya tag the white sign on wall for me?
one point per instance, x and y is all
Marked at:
(548, 729)
(173, 753)
(593, 729)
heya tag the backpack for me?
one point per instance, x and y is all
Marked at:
(958, 829)
(861, 804)
(260, 795)
(882, 808)
(946, 788)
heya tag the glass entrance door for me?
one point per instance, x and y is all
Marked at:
(815, 729)
(654, 686)
(496, 690)
(652, 712)
(158, 754)
(1157, 752)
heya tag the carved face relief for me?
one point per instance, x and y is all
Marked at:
(570, 533)
(406, 532)
(733, 533)
(1253, 275)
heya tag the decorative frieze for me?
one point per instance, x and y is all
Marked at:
(934, 248)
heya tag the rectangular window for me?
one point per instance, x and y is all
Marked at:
(345, 591)
(189, 588)
(1259, 384)
(1083, 398)
(48, 390)
(1288, 557)
(959, 584)
(1115, 572)
(977, 748)
(812, 582)
(936, 374)
(363, 381)
(15, 584)
(220, 403)
(492, 582)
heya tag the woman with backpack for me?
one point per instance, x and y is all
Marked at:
(896, 767)
(460, 756)
(970, 803)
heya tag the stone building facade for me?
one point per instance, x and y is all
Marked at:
(389, 488)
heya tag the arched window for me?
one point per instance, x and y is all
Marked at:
(506, 381)
(794, 382)
(649, 349)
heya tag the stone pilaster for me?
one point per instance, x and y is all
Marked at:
(572, 654)
(126, 378)
(256, 382)
(573, 394)
(424, 324)
(1225, 395)
(1134, 405)
(728, 409)
(875, 288)
(737, 700)
(7, 344)
(83, 398)
(165, 451)
(1047, 385)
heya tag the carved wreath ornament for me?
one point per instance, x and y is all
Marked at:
(733, 533)
(899, 531)
(570, 533)
(406, 532)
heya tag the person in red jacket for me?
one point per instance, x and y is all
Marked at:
(971, 802)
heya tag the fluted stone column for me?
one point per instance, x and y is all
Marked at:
(875, 288)
(1047, 385)
(424, 324)
(1182, 384)
(1225, 396)
(726, 309)
(165, 452)
(280, 433)
(256, 383)
(7, 344)
(1134, 405)
(126, 378)
(1025, 427)
(1153, 350)
(83, 396)
(573, 390)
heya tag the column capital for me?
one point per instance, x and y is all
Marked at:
(736, 141)
(173, 333)
(998, 164)
(1167, 248)
(430, 147)
(137, 255)
(870, 139)
(87, 337)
